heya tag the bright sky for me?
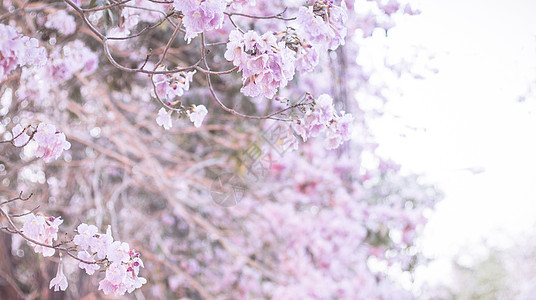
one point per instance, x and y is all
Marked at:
(464, 128)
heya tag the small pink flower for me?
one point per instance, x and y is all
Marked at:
(164, 118)
(197, 115)
(60, 281)
(200, 16)
(90, 268)
(110, 288)
(85, 236)
(100, 246)
(118, 252)
(116, 273)
(134, 282)
(51, 143)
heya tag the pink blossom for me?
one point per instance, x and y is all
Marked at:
(32, 55)
(100, 246)
(90, 268)
(60, 281)
(390, 7)
(265, 64)
(51, 143)
(86, 236)
(116, 273)
(136, 264)
(42, 230)
(133, 282)
(197, 115)
(169, 86)
(410, 11)
(339, 131)
(324, 119)
(18, 50)
(72, 58)
(308, 58)
(200, 15)
(120, 279)
(367, 23)
(62, 22)
(164, 118)
(117, 252)
(326, 27)
(109, 287)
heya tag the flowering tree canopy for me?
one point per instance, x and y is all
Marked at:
(222, 140)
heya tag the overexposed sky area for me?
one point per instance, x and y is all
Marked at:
(464, 127)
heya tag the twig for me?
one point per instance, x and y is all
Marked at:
(17, 198)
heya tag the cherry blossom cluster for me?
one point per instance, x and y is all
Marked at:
(50, 142)
(63, 63)
(43, 230)
(96, 250)
(323, 118)
(325, 236)
(266, 64)
(74, 57)
(18, 50)
(322, 25)
(122, 264)
(200, 15)
(61, 21)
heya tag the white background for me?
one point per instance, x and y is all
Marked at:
(465, 127)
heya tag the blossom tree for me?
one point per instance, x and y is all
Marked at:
(222, 140)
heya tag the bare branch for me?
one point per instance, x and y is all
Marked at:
(17, 198)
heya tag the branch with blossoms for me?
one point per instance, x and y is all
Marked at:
(100, 88)
(265, 63)
(51, 142)
(92, 249)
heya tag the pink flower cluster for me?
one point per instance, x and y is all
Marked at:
(169, 86)
(200, 15)
(266, 64)
(122, 263)
(324, 119)
(62, 22)
(43, 230)
(307, 58)
(72, 58)
(325, 25)
(18, 50)
(62, 64)
(51, 143)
